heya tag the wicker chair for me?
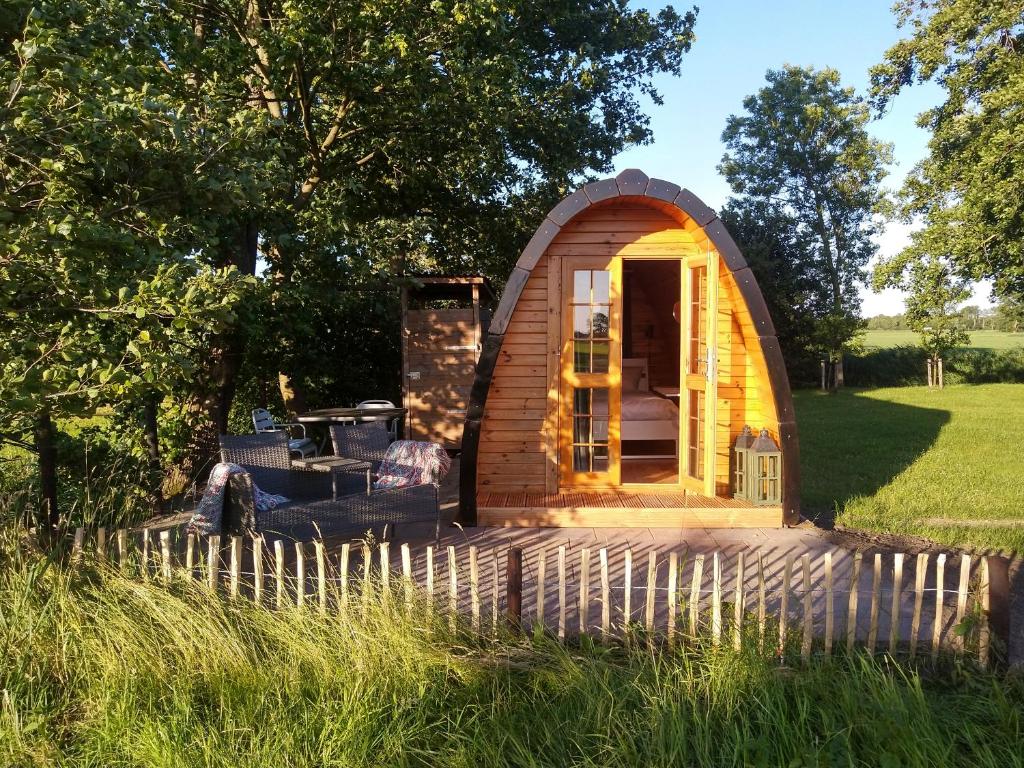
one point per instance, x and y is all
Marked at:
(367, 442)
(311, 512)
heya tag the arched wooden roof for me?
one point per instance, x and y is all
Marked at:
(634, 186)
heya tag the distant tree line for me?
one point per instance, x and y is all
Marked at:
(1006, 316)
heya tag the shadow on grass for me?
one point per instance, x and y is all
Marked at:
(852, 445)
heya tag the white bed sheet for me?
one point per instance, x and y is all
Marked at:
(648, 406)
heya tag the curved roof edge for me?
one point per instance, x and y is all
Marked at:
(637, 186)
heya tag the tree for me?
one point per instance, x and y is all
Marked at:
(415, 136)
(934, 294)
(779, 257)
(967, 190)
(102, 299)
(1010, 313)
(802, 145)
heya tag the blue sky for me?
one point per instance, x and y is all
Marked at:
(737, 42)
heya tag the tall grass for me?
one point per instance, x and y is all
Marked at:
(100, 670)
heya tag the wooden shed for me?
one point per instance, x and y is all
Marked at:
(444, 320)
(630, 348)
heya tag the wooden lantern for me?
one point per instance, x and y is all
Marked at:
(765, 471)
(741, 452)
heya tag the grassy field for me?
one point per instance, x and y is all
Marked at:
(101, 671)
(943, 464)
(979, 339)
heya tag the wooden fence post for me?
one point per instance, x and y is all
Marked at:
(739, 600)
(514, 589)
(122, 550)
(213, 561)
(541, 575)
(961, 598)
(385, 572)
(787, 580)
(561, 592)
(716, 598)
(146, 554)
(165, 556)
(279, 573)
(830, 616)
(257, 569)
(430, 585)
(300, 575)
(897, 593)
(606, 595)
(808, 639)
(876, 596)
(236, 566)
(997, 608)
(407, 577)
(321, 574)
(852, 598)
(673, 590)
(762, 602)
(651, 594)
(367, 587)
(695, 585)
(190, 554)
(627, 588)
(453, 588)
(584, 590)
(940, 573)
(343, 566)
(474, 588)
(494, 593)
(78, 546)
(101, 544)
(920, 572)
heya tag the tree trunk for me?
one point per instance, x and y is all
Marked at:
(840, 380)
(46, 446)
(292, 394)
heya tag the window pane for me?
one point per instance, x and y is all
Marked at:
(581, 356)
(602, 282)
(581, 286)
(600, 321)
(600, 430)
(581, 429)
(581, 322)
(599, 357)
(581, 402)
(581, 458)
(695, 434)
(600, 459)
(600, 401)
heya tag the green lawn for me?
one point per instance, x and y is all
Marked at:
(943, 464)
(979, 339)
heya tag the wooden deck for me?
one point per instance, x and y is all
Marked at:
(621, 508)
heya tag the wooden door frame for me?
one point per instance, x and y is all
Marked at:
(569, 379)
(706, 485)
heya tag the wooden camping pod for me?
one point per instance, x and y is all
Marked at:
(518, 462)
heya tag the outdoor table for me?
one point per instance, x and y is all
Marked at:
(334, 465)
(348, 416)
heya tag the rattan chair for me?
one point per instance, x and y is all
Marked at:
(311, 511)
(367, 442)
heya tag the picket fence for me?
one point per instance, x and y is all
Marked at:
(737, 612)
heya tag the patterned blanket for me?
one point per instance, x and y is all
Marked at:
(408, 462)
(209, 514)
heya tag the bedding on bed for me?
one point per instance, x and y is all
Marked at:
(647, 406)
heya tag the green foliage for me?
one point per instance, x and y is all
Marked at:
(967, 190)
(904, 366)
(103, 671)
(932, 463)
(934, 293)
(801, 147)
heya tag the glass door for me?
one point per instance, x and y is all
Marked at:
(700, 299)
(589, 448)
